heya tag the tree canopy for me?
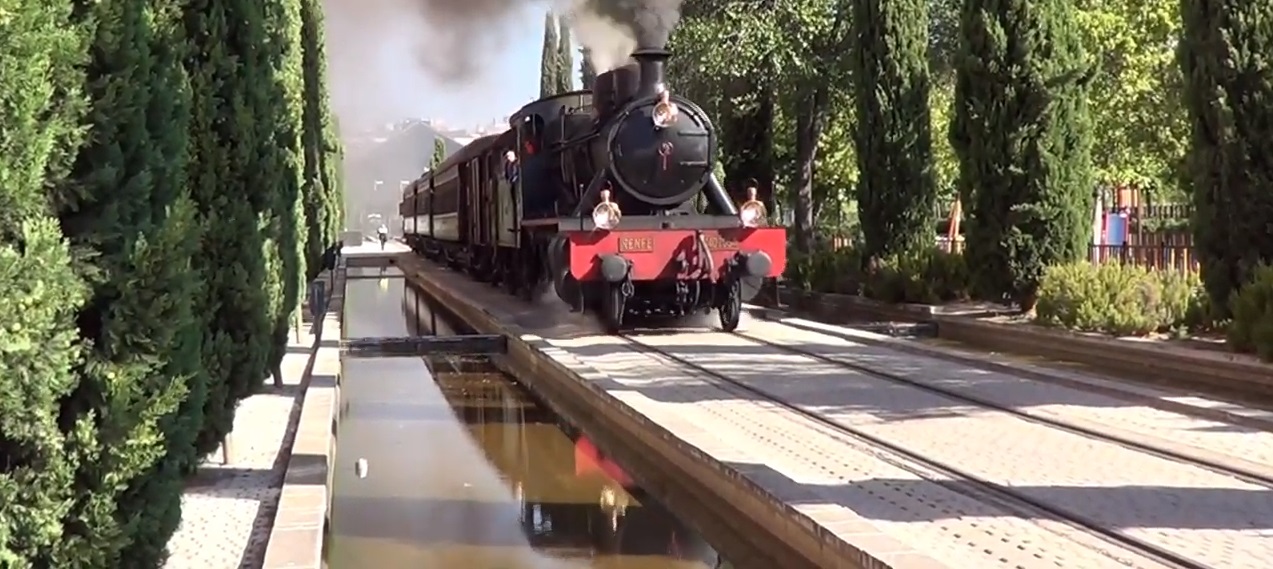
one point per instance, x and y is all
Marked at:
(549, 59)
(164, 166)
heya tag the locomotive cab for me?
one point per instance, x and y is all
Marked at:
(542, 128)
(537, 196)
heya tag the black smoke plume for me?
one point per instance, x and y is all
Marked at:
(450, 40)
(612, 29)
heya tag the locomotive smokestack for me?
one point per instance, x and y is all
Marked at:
(652, 62)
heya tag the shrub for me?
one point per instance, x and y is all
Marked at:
(825, 270)
(927, 277)
(1118, 299)
(1186, 300)
(1251, 329)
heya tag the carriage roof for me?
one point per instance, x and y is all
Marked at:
(468, 152)
(550, 106)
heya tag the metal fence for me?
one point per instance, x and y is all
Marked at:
(1157, 238)
(1158, 256)
(1167, 254)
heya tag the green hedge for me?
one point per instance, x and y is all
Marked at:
(925, 277)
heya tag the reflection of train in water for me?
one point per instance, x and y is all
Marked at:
(422, 318)
(574, 503)
(590, 460)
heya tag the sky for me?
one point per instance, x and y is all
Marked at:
(465, 62)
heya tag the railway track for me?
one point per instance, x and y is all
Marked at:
(997, 493)
(1244, 474)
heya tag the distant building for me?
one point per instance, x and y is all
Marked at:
(465, 136)
(379, 163)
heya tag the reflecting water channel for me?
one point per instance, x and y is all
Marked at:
(466, 470)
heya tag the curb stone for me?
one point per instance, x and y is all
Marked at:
(296, 537)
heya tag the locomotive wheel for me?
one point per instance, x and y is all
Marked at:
(731, 312)
(612, 308)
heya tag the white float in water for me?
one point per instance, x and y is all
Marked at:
(360, 468)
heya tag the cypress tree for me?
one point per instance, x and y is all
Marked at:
(332, 178)
(1023, 139)
(338, 176)
(1229, 97)
(565, 58)
(130, 220)
(548, 59)
(321, 145)
(224, 38)
(439, 152)
(179, 229)
(282, 206)
(40, 108)
(896, 191)
(587, 73)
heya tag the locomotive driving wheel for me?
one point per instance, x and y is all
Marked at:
(731, 311)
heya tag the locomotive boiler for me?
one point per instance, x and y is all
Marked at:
(607, 197)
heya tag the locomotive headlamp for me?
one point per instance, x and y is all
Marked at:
(606, 215)
(665, 111)
(752, 212)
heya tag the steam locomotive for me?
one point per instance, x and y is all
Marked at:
(606, 196)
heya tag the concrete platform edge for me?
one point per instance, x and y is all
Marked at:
(1230, 371)
(742, 503)
(297, 535)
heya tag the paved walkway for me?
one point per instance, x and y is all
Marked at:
(228, 510)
